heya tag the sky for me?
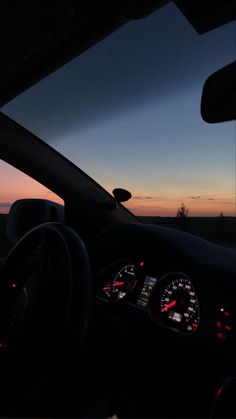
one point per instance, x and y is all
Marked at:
(127, 112)
(16, 185)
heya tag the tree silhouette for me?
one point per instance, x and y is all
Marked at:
(182, 216)
(182, 212)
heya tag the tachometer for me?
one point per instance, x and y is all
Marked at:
(174, 303)
(121, 283)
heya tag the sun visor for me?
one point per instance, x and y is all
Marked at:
(131, 9)
(205, 15)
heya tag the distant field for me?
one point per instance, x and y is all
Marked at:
(216, 229)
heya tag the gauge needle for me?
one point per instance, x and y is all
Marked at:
(116, 284)
(169, 305)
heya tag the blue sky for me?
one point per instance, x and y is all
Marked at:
(127, 111)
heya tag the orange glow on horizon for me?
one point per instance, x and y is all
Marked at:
(168, 208)
(210, 202)
(16, 185)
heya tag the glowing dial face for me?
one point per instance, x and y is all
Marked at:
(177, 304)
(121, 283)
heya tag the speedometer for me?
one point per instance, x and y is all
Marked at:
(174, 303)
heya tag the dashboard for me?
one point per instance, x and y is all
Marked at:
(184, 284)
(169, 298)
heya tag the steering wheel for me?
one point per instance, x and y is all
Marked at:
(45, 305)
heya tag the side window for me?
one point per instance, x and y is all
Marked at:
(24, 203)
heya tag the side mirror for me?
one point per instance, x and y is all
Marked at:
(219, 95)
(28, 213)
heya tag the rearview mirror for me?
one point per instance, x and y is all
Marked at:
(219, 95)
(121, 195)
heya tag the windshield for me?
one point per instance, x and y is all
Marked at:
(127, 112)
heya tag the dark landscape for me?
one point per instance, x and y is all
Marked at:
(220, 230)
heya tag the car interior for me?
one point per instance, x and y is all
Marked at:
(102, 314)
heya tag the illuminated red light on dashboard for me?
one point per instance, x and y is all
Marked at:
(141, 264)
(219, 324)
(194, 326)
(219, 391)
(226, 313)
(13, 285)
(229, 328)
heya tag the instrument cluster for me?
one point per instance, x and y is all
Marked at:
(169, 298)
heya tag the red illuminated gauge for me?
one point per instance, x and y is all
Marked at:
(121, 283)
(174, 303)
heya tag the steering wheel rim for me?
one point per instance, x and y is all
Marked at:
(79, 281)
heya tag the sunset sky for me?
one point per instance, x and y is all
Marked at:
(16, 185)
(127, 112)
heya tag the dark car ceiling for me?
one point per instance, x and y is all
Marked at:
(39, 37)
(205, 15)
